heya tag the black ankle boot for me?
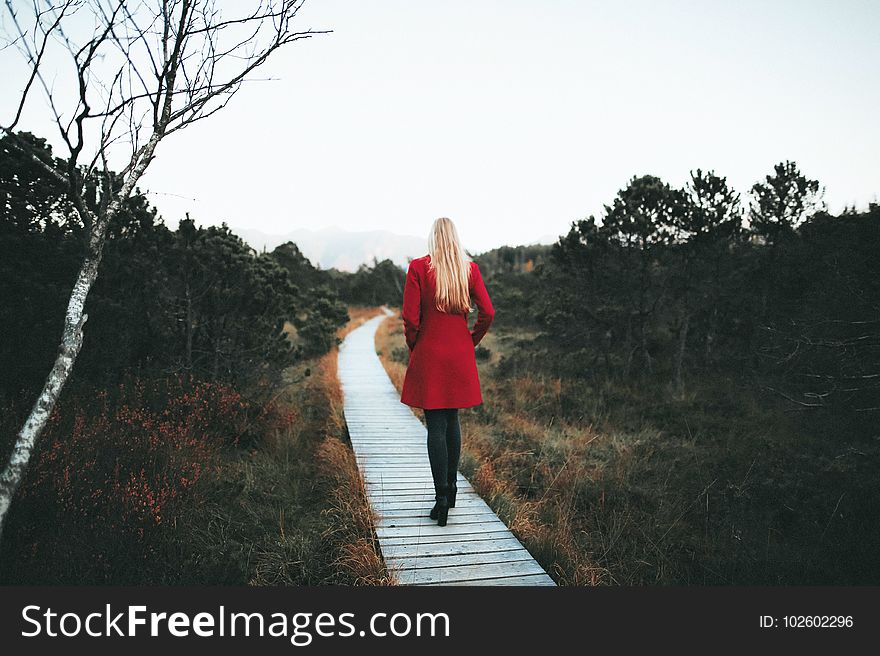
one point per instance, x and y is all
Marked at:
(450, 494)
(440, 511)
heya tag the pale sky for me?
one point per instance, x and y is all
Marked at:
(515, 118)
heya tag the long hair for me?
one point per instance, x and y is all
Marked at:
(451, 266)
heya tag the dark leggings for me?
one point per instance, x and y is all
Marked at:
(444, 445)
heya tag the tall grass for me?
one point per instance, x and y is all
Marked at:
(614, 483)
(392, 349)
(163, 483)
(295, 513)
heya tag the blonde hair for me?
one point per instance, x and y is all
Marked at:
(451, 266)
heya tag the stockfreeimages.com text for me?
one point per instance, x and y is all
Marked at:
(300, 628)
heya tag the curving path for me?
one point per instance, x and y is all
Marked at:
(475, 547)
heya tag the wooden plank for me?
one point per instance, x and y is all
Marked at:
(377, 477)
(423, 499)
(366, 419)
(392, 449)
(425, 473)
(380, 441)
(429, 539)
(386, 488)
(376, 457)
(421, 474)
(424, 520)
(469, 572)
(431, 549)
(411, 513)
(417, 525)
(529, 580)
(381, 461)
(395, 509)
(400, 563)
(408, 437)
(411, 430)
(426, 498)
(406, 476)
(470, 503)
(407, 470)
(401, 484)
(378, 438)
(471, 506)
(419, 493)
(433, 530)
(387, 450)
(408, 520)
(388, 439)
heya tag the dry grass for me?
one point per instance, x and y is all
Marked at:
(350, 518)
(529, 481)
(612, 482)
(284, 507)
(391, 347)
(294, 511)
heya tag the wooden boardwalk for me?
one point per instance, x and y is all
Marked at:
(475, 547)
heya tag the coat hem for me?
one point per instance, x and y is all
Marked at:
(441, 407)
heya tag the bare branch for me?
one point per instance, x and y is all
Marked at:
(148, 69)
(34, 60)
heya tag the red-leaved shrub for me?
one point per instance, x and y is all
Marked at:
(117, 468)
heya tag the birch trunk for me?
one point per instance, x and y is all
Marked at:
(71, 341)
(176, 36)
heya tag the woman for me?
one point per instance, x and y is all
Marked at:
(442, 374)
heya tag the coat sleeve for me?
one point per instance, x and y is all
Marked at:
(485, 311)
(412, 307)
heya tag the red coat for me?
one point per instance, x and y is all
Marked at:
(442, 370)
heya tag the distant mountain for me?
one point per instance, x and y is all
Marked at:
(544, 239)
(345, 250)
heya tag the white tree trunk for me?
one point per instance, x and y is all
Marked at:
(190, 62)
(71, 340)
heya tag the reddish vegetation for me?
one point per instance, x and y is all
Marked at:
(129, 461)
(176, 481)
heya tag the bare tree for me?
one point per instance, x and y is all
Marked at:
(137, 71)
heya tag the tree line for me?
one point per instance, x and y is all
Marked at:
(194, 300)
(139, 75)
(693, 282)
(192, 337)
